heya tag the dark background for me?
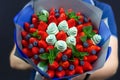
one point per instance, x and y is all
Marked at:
(8, 9)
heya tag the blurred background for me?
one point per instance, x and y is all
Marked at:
(8, 9)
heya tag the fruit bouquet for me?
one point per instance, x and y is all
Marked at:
(62, 40)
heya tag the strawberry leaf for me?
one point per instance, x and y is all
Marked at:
(44, 56)
(83, 38)
(78, 54)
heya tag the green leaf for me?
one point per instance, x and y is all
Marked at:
(43, 18)
(43, 64)
(91, 34)
(87, 30)
(44, 56)
(72, 15)
(83, 38)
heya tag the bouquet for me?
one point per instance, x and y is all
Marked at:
(62, 40)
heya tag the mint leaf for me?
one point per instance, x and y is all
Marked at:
(72, 15)
(83, 38)
(43, 18)
(43, 64)
(87, 29)
(44, 56)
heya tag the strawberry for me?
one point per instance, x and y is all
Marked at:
(92, 58)
(79, 47)
(61, 36)
(90, 42)
(34, 16)
(27, 52)
(65, 64)
(35, 50)
(78, 40)
(60, 74)
(42, 44)
(52, 18)
(96, 31)
(79, 28)
(79, 70)
(32, 39)
(81, 19)
(87, 66)
(59, 56)
(93, 47)
(42, 26)
(23, 34)
(26, 26)
(71, 22)
(32, 30)
(62, 17)
(70, 72)
(35, 61)
(61, 10)
(35, 22)
(85, 58)
(49, 48)
(54, 65)
(24, 43)
(52, 11)
(42, 34)
(87, 24)
(51, 73)
(70, 10)
(76, 61)
(68, 52)
(78, 13)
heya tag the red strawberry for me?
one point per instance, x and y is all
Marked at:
(52, 11)
(51, 73)
(52, 18)
(42, 44)
(35, 61)
(42, 26)
(81, 19)
(61, 36)
(34, 16)
(61, 10)
(87, 66)
(70, 10)
(87, 24)
(54, 65)
(62, 17)
(32, 30)
(32, 39)
(27, 52)
(93, 47)
(49, 48)
(71, 22)
(68, 52)
(85, 58)
(35, 50)
(35, 22)
(96, 31)
(78, 13)
(26, 26)
(76, 61)
(24, 43)
(92, 58)
(81, 34)
(59, 56)
(79, 47)
(79, 70)
(65, 64)
(79, 28)
(24, 34)
(70, 72)
(42, 34)
(60, 74)
(78, 40)
(90, 42)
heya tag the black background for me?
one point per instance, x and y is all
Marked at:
(8, 9)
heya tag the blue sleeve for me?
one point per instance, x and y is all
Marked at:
(108, 13)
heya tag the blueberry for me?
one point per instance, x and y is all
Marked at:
(64, 58)
(36, 57)
(28, 36)
(35, 43)
(30, 46)
(86, 19)
(41, 50)
(79, 22)
(56, 11)
(85, 44)
(32, 26)
(71, 67)
(60, 68)
(81, 63)
(57, 14)
(93, 52)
